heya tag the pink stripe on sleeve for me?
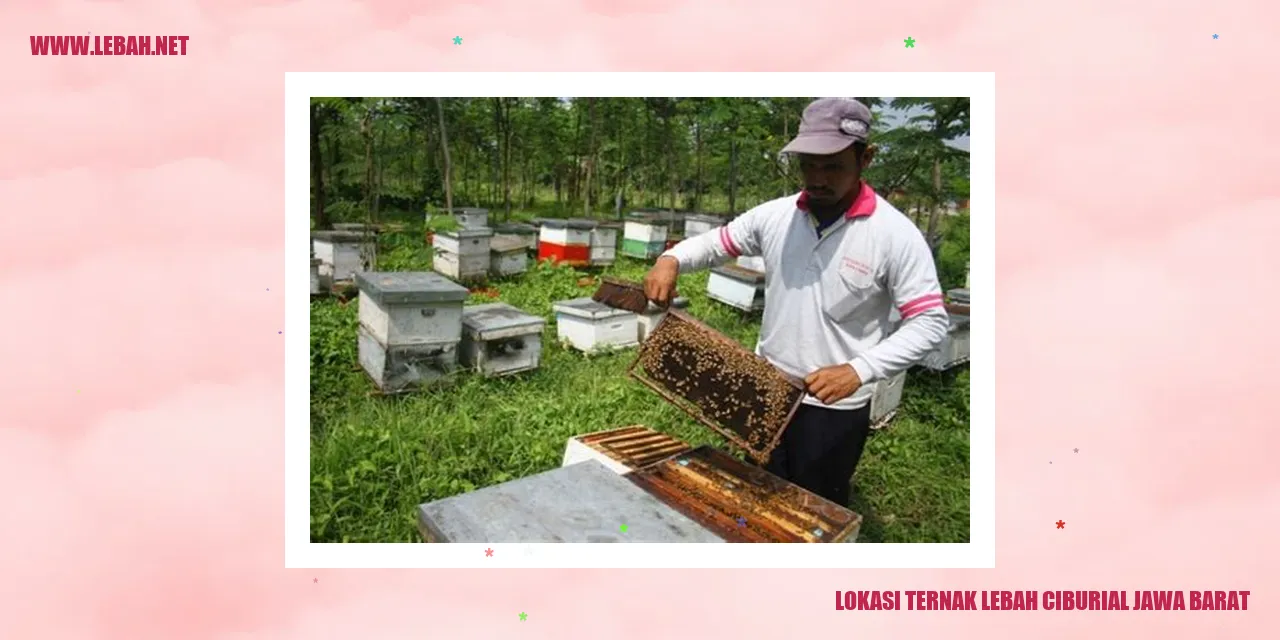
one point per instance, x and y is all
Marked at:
(728, 244)
(920, 305)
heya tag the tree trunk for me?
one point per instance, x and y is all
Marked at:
(697, 183)
(733, 175)
(936, 214)
(591, 158)
(448, 165)
(317, 169)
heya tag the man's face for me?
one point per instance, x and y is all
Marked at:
(828, 179)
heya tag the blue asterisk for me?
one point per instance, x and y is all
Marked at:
(1215, 36)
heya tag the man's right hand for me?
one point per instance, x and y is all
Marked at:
(660, 282)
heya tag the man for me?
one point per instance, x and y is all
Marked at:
(838, 259)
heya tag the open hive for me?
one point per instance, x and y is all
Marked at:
(718, 382)
(629, 448)
(742, 503)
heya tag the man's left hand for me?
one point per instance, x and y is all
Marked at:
(833, 384)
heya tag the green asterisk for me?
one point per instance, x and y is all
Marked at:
(457, 39)
(622, 528)
(911, 42)
(522, 616)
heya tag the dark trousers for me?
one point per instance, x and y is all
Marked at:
(820, 449)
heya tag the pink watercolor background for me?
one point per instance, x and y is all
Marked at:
(141, 270)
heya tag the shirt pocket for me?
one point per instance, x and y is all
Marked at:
(846, 286)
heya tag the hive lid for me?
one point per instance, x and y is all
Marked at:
(583, 502)
(496, 316)
(959, 295)
(704, 217)
(588, 308)
(507, 244)
(471, 211)
(355, 226)
(409, 287)
(515, 228)
(718, 382)
(739, 273)
(714, 489)
(341, 237)
(609, 224)
(467, 234)
(571, 223)
(654, 219)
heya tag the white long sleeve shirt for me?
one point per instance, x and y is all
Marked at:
(828, 294)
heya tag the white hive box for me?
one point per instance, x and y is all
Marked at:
(737, 287)
(604, 244)
(885, 400)
(499, 339)
(471, 217)
(408, 308)
(590, 326)
(644, 237)
(508, 256)
(339, 253)
(462, 254)
(525, 233)
(622, 450)
(646, 322)
(316, 287)
(571, 233)
(697, 224)
(410, 327)
(954, 349)
(754, 263)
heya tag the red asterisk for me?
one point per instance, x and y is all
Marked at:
(488, 552)
(315, 580)
(1060, 524)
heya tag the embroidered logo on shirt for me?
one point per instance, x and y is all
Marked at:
(857, 265)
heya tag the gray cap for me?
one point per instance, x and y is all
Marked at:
(830, 125)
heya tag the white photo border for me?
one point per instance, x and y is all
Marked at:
(300, 552)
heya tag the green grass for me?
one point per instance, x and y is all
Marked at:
(374, 459)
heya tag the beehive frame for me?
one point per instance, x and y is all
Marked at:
(770, 433)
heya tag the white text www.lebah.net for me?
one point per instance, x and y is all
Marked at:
(109, 45)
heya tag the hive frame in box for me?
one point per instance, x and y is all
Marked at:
(634, 370)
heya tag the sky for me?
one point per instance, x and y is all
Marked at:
(895, 117)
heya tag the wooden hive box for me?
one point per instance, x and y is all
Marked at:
(622, 450)
(648, 321)
(340, 253)
(410, 327)
(499, 339)
(410, 307)
(317, 286)
(715, 490)
(885, 400)
(525, 233)
(462, 254)
(644, 236)
(567, 241)
(954, 350)
(590, 326)
(697, 224)
(718, 382)
(508, 256)
(471, 217)
(740, 288)
(584, 502)
(604, 244)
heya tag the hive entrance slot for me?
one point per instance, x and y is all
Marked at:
(718, 382)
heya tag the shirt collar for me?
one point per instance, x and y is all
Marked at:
(863, 205)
